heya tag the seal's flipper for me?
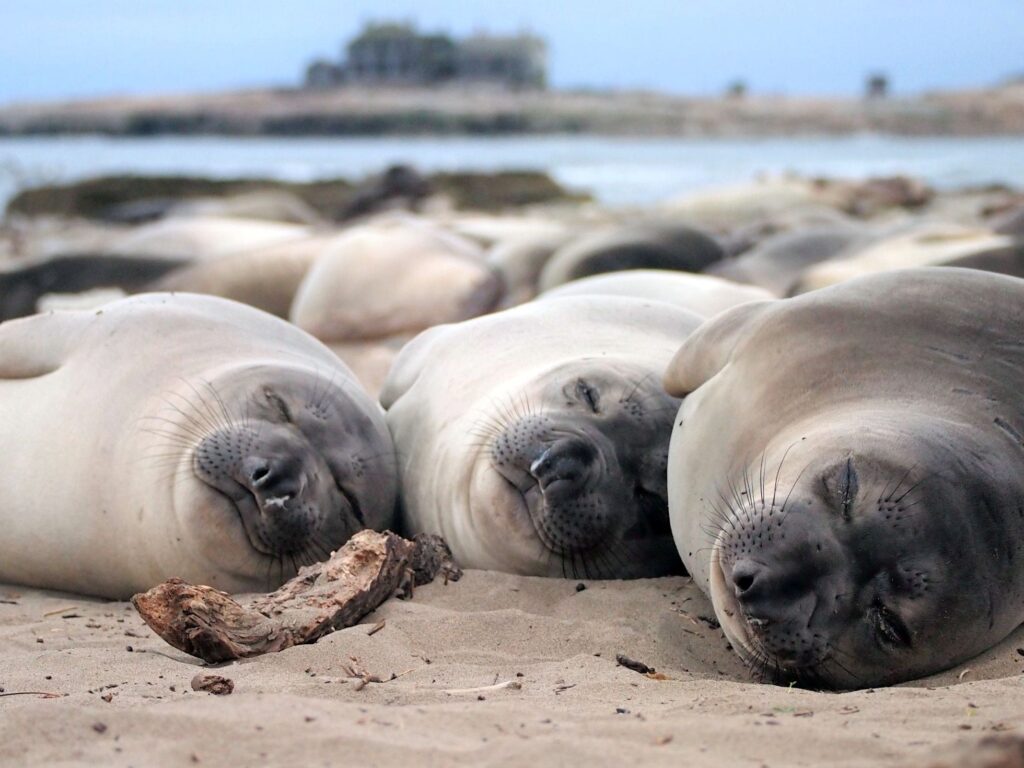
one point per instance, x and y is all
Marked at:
(708, 349)
(37, 345)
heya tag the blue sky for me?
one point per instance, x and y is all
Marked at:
(72, 48)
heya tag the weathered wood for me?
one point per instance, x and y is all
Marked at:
(210, 624)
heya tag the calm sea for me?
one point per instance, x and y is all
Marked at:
(618, 171)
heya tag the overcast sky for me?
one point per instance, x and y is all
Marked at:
(71, 48)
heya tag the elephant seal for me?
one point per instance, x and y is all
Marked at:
(1010, 223)
(180, 435)
(535, 439)
(703, 295)
(777, 262)
(24, 282)
(1006, 261)
(923, 245)
(381, 283)
(655, 245)
(267, 277)
(857, 517)
(394, 275)
(203, 237)
(519, 261)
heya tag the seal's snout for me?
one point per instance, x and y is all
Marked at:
(777, 584)
(274, 481)
(280, 486)
(563, 467)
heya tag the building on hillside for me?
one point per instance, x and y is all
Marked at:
(877, 86)
(398, 54)
(519, 61)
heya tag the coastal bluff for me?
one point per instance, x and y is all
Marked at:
(364, 111)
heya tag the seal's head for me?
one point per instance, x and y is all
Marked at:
(573, 462)
(863, 556)
(287, 463)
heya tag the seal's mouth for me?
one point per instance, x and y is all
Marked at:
(729, 612)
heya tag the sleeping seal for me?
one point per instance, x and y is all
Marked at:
(926, 244)
(651, 245)
(703, 295)
(846, 474)
(535, 439)
(180, 435)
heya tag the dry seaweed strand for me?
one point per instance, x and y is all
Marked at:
(337, 593)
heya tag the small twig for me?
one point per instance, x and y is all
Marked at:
(44, 694)
(366, 680)
(515, 685)
(60, 610)
(376, 628)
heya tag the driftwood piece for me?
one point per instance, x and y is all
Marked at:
(210, 624)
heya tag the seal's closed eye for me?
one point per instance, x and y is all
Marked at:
(841, 484)
(588, 395)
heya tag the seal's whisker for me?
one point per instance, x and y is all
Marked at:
(778, 472)
(834, 659)
(199, 416)
(228, 417)
(205, 410)
(888, 496)
(191, 416)
(189, 428)
(785, 504)
(916, 485)
(636, 386)
(760, 472)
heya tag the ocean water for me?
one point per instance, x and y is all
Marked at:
(617, 171)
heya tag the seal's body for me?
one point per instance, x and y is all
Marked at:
(704, 295)
(535, 439)
(846, 474)
(179, 435)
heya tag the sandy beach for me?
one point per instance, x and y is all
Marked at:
(123, 696)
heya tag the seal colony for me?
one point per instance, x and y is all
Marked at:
(857, 517)
(180, 435)
(842, 477)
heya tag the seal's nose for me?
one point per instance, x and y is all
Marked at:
(563, 466)
(273, 480)
(746, 576)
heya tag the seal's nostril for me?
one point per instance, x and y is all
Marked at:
(744, 576)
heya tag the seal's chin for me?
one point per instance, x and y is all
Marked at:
(728, 611)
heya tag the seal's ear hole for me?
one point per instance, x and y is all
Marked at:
(841, 484)
(278, 402)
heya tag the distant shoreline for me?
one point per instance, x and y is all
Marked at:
(462, 111)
